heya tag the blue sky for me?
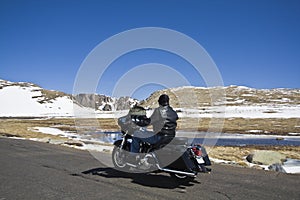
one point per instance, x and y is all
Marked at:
(255, 43)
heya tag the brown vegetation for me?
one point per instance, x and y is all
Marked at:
(24, 127)
(238, 154)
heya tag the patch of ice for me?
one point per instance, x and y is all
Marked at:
(292, 166)
(238, 101)
(48, 130)
(96, 147)
(220, 161)
(247, 95)
(264, 167)
(255, 131)
(55, 131)
(294, 134)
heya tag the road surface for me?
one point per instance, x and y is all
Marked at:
(34, 170)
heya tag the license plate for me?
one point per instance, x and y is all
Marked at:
(200, 160)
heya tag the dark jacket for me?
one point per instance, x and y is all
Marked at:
(164, 120)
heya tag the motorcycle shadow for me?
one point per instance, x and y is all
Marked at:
(159, 180)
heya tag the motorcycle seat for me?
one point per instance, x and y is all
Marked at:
(177, 141)
(163, 142)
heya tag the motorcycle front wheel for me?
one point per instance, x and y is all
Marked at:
(118, 158)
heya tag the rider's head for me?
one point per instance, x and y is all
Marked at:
(163, 100)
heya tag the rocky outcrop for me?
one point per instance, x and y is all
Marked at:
(263, 157)
(124, 103)
(93, 100)
(104, 103)
(277, 168)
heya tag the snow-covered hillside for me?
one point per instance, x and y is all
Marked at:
(20, 99)
(231, 102)
(29, 100)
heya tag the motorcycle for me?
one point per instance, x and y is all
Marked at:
(170, 155)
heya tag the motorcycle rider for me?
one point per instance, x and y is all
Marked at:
(164, 124)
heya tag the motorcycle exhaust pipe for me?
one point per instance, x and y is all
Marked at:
(177, 172)
(174, 171)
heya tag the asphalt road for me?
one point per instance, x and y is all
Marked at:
(33, 170)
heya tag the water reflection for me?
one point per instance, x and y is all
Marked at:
(223, 140)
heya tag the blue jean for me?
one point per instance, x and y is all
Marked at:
(143, 136)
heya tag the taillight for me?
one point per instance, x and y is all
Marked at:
(197, 151)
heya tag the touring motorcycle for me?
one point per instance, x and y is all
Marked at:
(171, 155)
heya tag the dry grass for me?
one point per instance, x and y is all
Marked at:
(273, 126)
(23, 127)
(238, 154)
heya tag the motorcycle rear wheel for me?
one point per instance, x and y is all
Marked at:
(182, 178)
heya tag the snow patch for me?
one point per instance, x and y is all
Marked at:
(91, 144)
(294, 134)
(255, 131)
(291, 166)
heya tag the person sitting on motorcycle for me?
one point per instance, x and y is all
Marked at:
(164, 122)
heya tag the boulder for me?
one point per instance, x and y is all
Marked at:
(277, 168)
(263, 157)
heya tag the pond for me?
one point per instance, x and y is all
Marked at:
(219, 139)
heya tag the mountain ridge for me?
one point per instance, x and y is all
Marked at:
(29, 99)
